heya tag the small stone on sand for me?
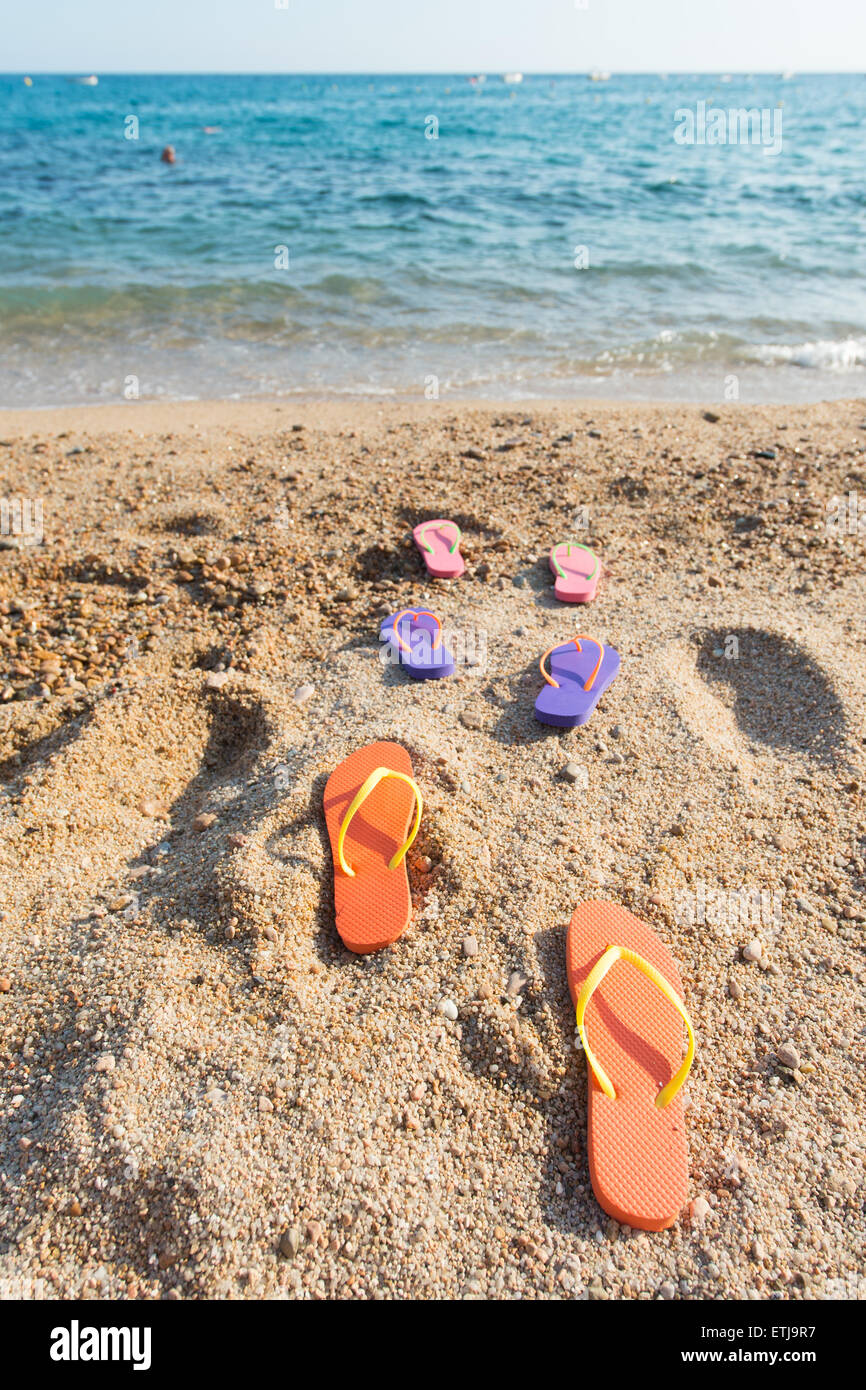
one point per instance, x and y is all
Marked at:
(290, 1242)
(699, 1209)
(788, 1056)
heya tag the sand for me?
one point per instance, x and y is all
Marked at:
(203, 1094)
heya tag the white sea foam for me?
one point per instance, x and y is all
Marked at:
(841, 355)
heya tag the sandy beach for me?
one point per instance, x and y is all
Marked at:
(203, 1094)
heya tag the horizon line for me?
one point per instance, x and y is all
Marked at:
(438, 72)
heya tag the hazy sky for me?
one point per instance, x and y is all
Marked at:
(432, 35)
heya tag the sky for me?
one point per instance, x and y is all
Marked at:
(85, 36)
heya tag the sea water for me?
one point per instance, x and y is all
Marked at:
(644, 237)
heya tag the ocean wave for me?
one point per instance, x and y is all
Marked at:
(366, 289)
(840, 355)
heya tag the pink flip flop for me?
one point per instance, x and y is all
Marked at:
(577, 575)
(439, 543)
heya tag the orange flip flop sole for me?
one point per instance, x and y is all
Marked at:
(374, 908)
(638, 1154)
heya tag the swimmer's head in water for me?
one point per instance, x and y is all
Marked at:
(168, 155)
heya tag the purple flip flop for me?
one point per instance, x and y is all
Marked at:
(580, 672)
(414, 638)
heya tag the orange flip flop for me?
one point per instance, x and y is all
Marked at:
(630, 1016)
(369, 800)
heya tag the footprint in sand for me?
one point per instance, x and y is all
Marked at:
(772, 713)
(95, 978)
(749, 694)
(782, 697)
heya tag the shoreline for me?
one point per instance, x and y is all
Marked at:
(146, 416)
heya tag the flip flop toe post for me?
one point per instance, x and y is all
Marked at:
(630, 1014)
(373, 809)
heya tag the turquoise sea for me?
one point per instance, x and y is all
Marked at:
(313, 238)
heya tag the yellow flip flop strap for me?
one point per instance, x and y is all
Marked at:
(376, 776)
(591, 984)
